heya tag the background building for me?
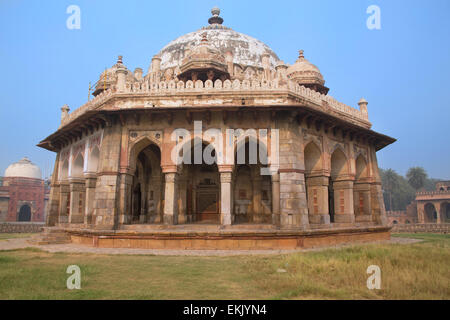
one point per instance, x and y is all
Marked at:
(428, 207)
(23, 193)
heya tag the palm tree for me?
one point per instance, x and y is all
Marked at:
(391, 183)
(416, 177)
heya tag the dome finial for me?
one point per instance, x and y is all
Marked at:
(215, 19)
(300, 54)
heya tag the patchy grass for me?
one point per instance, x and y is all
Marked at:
(5, 236)
(413, 271)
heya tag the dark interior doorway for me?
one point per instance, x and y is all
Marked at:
(24, 213)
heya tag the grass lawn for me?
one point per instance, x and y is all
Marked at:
(413, 271)
(5, 236)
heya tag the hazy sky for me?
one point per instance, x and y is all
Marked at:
(402, 70)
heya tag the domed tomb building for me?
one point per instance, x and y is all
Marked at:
(219, 145)
(23, 193)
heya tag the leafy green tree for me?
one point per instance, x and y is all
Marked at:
(417, 177)
(390, 182)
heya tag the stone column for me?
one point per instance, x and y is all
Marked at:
(126, 181)
(421, 212)
(90, 181)
(155, 186)
(52, 208)
(362, 203)
(317, 188)
(64, 202)
(225, 198)
(343, 201)
(293, 204)
(77, 200)
(171, 198)
(257, 217)
(182, 218)
(377, 208)
(437, 206)
(275, 198)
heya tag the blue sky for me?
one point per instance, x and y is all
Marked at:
(402, 70)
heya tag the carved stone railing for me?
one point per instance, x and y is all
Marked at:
(90, 105)
(172, 88)
(433, 193)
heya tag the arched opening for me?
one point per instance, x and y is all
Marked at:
(65, 170)
(147, 186)
(361, 168)
(445, 212)
(77, 166)
(395, 222)
(338, 164)
(430, 213)
(199, 185)
(24, 214)
(252, 190)
(407, 222)
(93, 160)
(312, 158)
(442, 189)
(339, 168)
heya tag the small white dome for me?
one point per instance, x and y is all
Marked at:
(23, 168)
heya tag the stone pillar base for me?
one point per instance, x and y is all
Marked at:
(142, 218)
(319, 219)
(104, 227)
(77, 218)
(125, 219)
(169, 219)
(182, 219)
(63, 219)
(276, 219)
(88, 219)
(294, 221)
(363, 218)
(344, 218)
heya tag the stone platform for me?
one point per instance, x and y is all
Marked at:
(216, 237)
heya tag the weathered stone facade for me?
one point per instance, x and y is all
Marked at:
(118, 155)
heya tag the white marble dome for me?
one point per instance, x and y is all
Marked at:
(246, 50)
(24, 169)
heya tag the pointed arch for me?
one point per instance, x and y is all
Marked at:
(94, 158)
(313, 157)
(339, 163)
(361, 167)
(78, 166)
(137, 147)
(199, 182)
(64, 173)
(250, 149)
(146, 193)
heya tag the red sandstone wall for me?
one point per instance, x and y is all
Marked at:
(25, 191)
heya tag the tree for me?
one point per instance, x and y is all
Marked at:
(390, 183)
(416, 177)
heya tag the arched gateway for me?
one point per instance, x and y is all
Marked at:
(219, 145)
